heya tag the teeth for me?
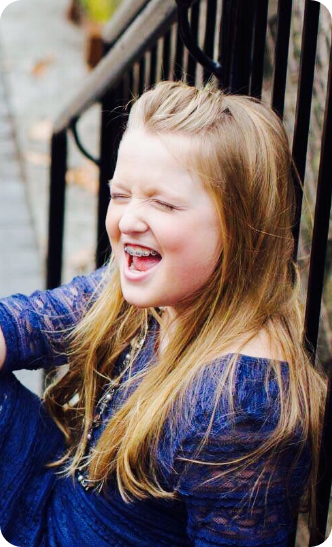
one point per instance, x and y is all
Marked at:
(138, 252)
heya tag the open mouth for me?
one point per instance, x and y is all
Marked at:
(141, 259)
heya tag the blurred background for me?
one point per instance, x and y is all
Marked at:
(46, 51)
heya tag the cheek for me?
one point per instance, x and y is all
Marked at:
(194, 255)
(112, 224)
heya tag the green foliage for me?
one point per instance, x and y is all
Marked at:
(100, 11)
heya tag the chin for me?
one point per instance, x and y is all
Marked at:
(138, 301)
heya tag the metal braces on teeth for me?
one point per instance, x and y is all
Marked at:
(133, 252)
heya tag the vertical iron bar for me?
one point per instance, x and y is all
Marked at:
(315, 289)
(210, 31)
(192, 63)
(131, 81)
(228, 31)
(153, 64)
(166, 55)
(179, 49)
(281, 56)
(241, 65)
(126, 88)
(303, 106)
(56, 209)
(236, 45)
(260, 27)
(141, 83)
(111, 122)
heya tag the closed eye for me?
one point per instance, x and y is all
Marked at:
(166, 205)
(118, 196)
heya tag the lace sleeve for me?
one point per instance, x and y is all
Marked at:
(252, 506)
(34, 326)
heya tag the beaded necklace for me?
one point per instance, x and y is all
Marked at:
(102, 405)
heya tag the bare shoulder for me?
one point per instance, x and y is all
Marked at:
(259, 346)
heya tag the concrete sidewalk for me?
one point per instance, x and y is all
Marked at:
(41, 66)
(20, 265)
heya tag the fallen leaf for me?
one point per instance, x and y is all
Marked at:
(85, 176)
(41, 66)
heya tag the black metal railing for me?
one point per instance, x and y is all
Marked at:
(143, 44)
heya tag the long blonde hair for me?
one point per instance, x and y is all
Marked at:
(239, 149)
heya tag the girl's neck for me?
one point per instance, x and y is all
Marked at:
(165, 330)
(259, 345)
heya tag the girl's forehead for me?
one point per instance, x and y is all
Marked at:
(172, 148)
(152, 156)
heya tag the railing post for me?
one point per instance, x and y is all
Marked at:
(261, 8)
(281, 56)
(210, 30)
(56, 209)
(235, 55)
(313, 307)
(303, 106)
(111, 125)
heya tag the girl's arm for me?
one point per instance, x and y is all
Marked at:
(2, 349)
(33, 329)
(249, 506)
(230, 509)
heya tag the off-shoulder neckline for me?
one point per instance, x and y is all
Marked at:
(252, 358)
(241, 356)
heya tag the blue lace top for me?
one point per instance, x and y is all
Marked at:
(39, 507)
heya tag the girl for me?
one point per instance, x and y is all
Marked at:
(189, 412)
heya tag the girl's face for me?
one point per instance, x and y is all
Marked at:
(157, 206)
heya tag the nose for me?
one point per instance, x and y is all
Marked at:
(132, 219)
